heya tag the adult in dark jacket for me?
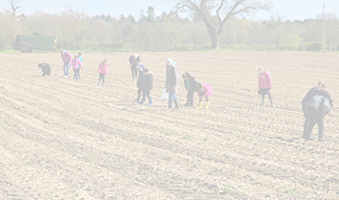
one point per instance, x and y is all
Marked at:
(134, 61)
(309, 95)
(45, 68)
(147, 87)
(190, 86)
(140, 81)
(172, 82)
(316, 108)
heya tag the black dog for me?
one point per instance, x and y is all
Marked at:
(46, 69)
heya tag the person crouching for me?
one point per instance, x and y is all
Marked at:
(148, 86)
(190, 85)
(204, 90)
(45, 68)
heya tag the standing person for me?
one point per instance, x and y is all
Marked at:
(66, 58)
(148, 86)
(265, 84)
(103, 67)
(76, 65)
(134, 62)
(204, 90)
(80, 58)
(191, 87)
(172, 82)
(316, 109)
(140, 81)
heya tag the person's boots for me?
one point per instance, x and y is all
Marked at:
(304, 133)
(321, 137)
(176, 104)
(200, 105)
(142, 101)
(170, 104)
(308, 133)
(272, 104)
(262, 103)
(207, 104)
(150, 102)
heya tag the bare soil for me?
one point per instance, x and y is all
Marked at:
(65, 139)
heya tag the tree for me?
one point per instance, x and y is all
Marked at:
(279, 29)
(14, 7)
(224, 9)
(331, 29)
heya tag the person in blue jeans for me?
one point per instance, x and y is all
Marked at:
(191, 87)
(172, 83)
(66, 58)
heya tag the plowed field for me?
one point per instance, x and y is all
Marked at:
(65, 139)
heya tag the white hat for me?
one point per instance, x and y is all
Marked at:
(168, 61)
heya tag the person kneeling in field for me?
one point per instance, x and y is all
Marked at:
(103, 67)
(45, 68)
(204, 90)
(191, 87)
(265, 84)
(316, 108)
(148, 86)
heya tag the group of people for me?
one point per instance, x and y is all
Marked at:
(316, 103)
(145, 84)
(75, 64)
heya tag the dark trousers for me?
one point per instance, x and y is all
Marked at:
(190, 98)
(145, 93)
(139, 94)
(206, 98)
(101, 76)
(313, 117)
(134, 72)
(76, 74)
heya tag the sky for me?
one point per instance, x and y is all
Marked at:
(288, 9)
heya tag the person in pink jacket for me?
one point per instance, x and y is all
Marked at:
(204, 90)
(103, 71)
(265, 84)
(66, 58)
(76, 65)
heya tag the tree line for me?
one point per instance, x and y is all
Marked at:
(170, 32)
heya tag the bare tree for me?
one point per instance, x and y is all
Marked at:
(331, 29)
(224, 9)
(14, 7)
(279, 29)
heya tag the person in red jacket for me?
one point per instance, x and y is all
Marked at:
(66, 58)
(102, 71)
(265, 84)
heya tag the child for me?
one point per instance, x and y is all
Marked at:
(80, 58)
(103, 67)
(265, 84)
(190, 85)
(148, 86)
(140, 81)
(75, 63)
(203, 90)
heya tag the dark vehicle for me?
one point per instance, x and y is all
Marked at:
(26, 43)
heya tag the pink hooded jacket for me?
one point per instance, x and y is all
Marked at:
(75, 64)
(265, 80)
(207, 90)
(66, 57)
(103, 68)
